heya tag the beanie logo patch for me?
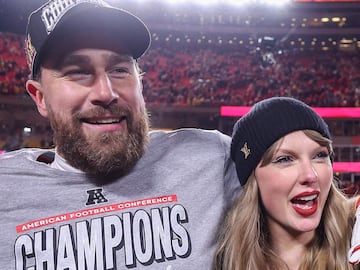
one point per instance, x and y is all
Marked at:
(245, 150)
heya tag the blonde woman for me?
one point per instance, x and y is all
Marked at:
(290, 215)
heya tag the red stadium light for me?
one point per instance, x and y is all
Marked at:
(233, 110)
(325, 112)
(338, 112)
(349, 167)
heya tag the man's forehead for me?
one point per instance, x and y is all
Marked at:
(78, 40)
(87, 54)
(86, 43)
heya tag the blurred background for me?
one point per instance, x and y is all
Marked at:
(208, 55)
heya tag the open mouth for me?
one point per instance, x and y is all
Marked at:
(305, 205)
(305, 200)
(104, 121)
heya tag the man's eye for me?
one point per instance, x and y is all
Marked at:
(76, 72)
(120, 71)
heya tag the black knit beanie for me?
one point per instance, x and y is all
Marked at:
(266, 122)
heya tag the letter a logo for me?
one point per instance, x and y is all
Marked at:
(95, 196)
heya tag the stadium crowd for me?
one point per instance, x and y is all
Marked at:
(13, 68)
(221, 75)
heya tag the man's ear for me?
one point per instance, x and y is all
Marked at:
(35, 91)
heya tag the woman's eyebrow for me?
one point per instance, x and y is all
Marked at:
(284, 151)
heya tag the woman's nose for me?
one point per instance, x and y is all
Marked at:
(309, 172)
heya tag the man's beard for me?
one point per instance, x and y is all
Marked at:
(104, 154)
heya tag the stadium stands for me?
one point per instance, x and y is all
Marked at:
(199, 76)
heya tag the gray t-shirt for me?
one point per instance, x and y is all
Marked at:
(163, 214)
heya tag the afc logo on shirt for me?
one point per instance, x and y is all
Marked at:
(95, 196)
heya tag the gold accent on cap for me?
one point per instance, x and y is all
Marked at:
(30, 52)
(245, 150)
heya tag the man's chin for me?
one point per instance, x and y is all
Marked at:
(105, 140)
(97, 131)
(107, 154)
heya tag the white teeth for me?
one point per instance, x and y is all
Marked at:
(107, 121)
(308, 198)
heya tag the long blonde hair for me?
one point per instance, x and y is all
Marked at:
(245, 240)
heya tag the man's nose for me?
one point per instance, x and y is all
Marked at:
(103, 93)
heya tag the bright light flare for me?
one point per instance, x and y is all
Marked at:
(220, 2)
(198, 2)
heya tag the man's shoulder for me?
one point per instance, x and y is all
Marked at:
(32, 154)
(190, 140)
(187, 134)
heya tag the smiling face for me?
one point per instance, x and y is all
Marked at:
(92, 95)
(294, 184)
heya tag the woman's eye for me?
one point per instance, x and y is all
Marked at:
(282, 159)
(322, 154)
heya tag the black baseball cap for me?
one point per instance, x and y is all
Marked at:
(57, 17)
